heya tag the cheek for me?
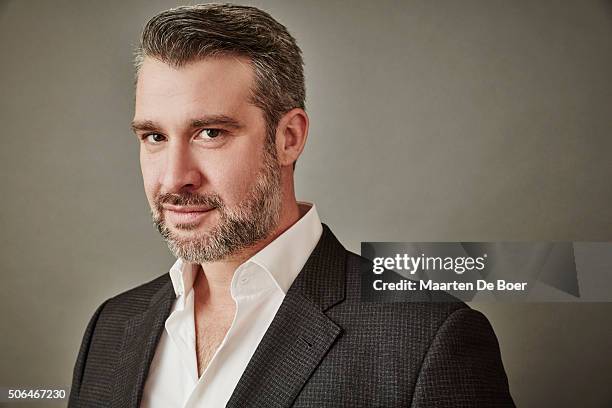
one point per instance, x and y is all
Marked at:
(150, 177)
(233, 179)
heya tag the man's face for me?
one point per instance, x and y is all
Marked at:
(211, 178)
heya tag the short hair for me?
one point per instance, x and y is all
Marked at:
(189, 33)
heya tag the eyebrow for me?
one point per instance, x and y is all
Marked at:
(206, 121)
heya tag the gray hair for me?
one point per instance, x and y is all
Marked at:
(186, 34)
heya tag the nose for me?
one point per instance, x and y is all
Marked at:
(181, 173)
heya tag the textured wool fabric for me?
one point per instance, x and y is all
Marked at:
(324, 348)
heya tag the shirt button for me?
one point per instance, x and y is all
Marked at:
(244, 280)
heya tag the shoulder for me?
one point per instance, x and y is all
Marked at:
(392, 343)
(104, 337)
(423, 312)
(442, 327)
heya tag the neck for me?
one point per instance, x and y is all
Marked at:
(213, 283)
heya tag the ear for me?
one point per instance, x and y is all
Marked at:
(291, 135)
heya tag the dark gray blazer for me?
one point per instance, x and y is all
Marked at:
(324, 348)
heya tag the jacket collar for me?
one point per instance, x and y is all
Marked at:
(300, 334)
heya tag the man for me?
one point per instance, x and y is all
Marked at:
(262, 307)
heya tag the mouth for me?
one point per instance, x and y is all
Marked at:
(186, 215)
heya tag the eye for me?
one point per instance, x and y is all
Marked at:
(153, 138)
(210, 133)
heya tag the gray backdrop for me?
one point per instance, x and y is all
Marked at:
(431, 121)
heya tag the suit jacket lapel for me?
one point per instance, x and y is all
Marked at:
(300, 334)
(140, 337)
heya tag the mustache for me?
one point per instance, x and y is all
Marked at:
(188, 199)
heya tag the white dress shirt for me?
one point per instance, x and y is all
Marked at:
(258, 287)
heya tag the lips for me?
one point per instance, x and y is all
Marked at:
(184, 209)
(185, 215)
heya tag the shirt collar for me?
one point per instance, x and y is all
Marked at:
(182, 275)
(282, 258)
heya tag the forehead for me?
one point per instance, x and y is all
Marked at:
(215, 85)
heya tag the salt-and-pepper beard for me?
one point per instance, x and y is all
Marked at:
(238, 228)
